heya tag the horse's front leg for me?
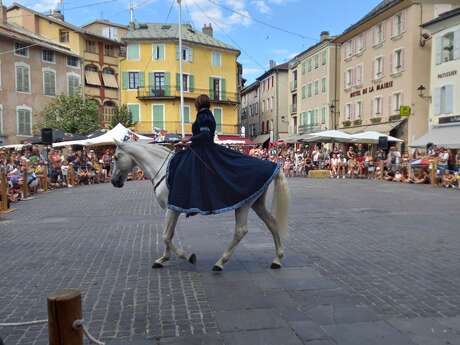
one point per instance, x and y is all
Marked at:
(168, 234)
(241, 229)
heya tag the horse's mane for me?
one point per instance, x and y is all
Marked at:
(154, 147)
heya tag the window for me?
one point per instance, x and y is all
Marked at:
(348, 49)
(216, 59)
(24, 121)
(359, 43)
(396, 102)
(323, 85)
(48, 56)
(218, 115)
(316, 61)
(22, 77)
(49, 82)
(304, 67)
(110, 32)
(358, 110)
(186, 113)
(187, 81)
(348, 111)
(377, 108)
(324, 57)
(272, 102)
(398, 25)
(108, 70)
(316, 87)
(323, 115)
(309, 87)
(134, 112)
(398, 61)
(1, 119)
(358, 75)
(378, 68)
(379, 34)
(316, 116)
(73, 61)
(304, 92)
(21, 49)
(187, 54)
(158, 114)
(63, 36)
(158, 51)
(91, 68)
(309, 65)
(73, 84)
(447, 46)
(91, 46)
(110, 50)
(133, 80)
(348, 78)
(444, 100)
(133, 52)
(263, 105)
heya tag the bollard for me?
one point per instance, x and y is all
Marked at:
(381, 169)
(70, 181)
(64, 307)
(45, 187)
(434, 170)
(25, 185)
(4, 192)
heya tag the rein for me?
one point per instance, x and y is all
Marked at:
(156, 185)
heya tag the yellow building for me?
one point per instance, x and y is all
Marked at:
(150, 77)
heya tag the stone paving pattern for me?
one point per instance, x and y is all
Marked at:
(367, 263)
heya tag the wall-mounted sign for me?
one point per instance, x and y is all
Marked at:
(449, 119)
(405, 110)
(447, 74)
(372, 88)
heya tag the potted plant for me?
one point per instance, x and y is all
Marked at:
(358, 122)
(395, 117)
(376, 120)
(346, 123)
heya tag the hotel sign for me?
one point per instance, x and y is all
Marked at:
(449, 119)
(371, 89)
(447, 74)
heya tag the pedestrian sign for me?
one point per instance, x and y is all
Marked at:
(404, 110)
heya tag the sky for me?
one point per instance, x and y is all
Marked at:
(300, 21)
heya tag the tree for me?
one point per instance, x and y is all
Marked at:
(72, 114)
(122, 115)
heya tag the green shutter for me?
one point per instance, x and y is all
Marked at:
(124, 81)
(186, 114)
(167, 83)
(177, 53)
(191, 83)
(133, 52)
(218, 118)
(211, 91)
(162, 52)
(223, 89)
(141, 79)
(178, 81)
(158, 120)
(134, 112)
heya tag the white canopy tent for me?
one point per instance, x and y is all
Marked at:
(330, 136)
(372, 137)
(119, 132)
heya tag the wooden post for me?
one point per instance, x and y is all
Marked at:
(45, 180)
(4, 191)
(382, 165)
(434, 168)
(64, 307)
(70, 176)
(25, 185)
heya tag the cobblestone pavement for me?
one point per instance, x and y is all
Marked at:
(367, 263)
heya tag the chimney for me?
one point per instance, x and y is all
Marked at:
(324, 35)
(272, 64)
(57, 14)
(132, 24)
(207, 30)
(3, 13)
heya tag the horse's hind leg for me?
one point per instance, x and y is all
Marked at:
(261, 210)
(241, 229)
(168, 234)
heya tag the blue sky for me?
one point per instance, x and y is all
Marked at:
(258, 43)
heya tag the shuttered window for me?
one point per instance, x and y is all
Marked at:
(22, 77)
(133, 52)
(186, 113)
(73, 83)
(49, 83)
(158, 51)
(444, 100)
(134, 111)
(218, 116)
(158, 116)
(216, 59)
(24, 121)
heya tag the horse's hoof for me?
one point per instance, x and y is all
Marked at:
(192, 259)
(275, 266)
(157, 265)
(216, 268)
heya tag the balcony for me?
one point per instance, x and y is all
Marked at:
(305, 129)
(171, 92)
(176, 127)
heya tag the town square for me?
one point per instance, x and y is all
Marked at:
(229, 172)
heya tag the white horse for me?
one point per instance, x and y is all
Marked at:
(153, 159)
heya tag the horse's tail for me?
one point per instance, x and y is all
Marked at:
(280, 204)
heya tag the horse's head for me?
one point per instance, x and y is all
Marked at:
(122, 165)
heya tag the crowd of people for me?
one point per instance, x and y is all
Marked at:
(43, 169)
(360, 161)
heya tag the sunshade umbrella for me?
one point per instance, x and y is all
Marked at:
(372, 137)
(330, 136)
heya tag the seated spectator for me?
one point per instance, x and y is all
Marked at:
(421, 177)
(448, 179)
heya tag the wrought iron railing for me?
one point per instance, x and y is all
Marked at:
(176, 127)
(304, 129)
(152, 92)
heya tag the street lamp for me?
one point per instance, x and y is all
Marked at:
(421, 92)
(332, 108)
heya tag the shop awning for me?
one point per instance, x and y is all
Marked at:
(381, 127)
(92, 78)
(448, 137)
(260, 139)
(110, 80)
